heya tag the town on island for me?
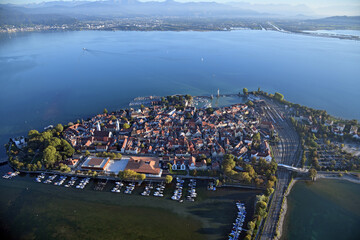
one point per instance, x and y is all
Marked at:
(263, 142)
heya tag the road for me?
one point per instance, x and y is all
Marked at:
(286, 153)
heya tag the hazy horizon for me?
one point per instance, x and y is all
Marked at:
(319, 7)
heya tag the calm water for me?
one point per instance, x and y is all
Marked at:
(48, 78)
(324, 210)
(30, 210)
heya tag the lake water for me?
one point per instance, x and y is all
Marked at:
(324, 210)
(48, 78)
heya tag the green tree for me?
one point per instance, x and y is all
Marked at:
(270, 184)
(251, 225)
(279, 96)
(87, 153)
(245, 91)
(59, 128)
(247, 237)
(168, 179)
(250, 103)
(312, 173)
(33, 134)
(126, 125)
(105, 111)
(49, 155)
(257, 137)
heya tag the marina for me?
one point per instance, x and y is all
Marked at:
(83, 183)
(192, 191)
(50, 179)
(147, 190)
(129, 188)
(10, 175)
(239, 222)
(178, 191)
(216, 206)
(159, 190)
(117, 188)
(71, 182)
(61, 181)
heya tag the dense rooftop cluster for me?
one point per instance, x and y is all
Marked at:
(180, 132)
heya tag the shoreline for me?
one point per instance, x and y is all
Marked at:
(302, 32)
(345, 177)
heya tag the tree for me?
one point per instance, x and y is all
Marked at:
(250, 103)
(59, 128)
(270, 184)
(126, 125)
(279, 96)
(168, 179)
(142, 177)
(269, 191)
(251, 225)
(257, 137)
(49, 155)
(245, 91)
(259, 181)
(33, 134)
(105, 111)
(208, 161)
(247, 237)
(188, 97)
(87, 153)
(312, 173)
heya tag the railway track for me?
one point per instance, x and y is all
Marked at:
(285, 153)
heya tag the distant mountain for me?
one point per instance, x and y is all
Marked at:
(281, 10)
(338, 20)
(134, 8)
(13, 16)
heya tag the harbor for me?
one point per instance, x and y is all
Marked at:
(206, 212)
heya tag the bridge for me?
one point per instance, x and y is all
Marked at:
(294, 169)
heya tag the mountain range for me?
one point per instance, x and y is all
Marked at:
(72, 11)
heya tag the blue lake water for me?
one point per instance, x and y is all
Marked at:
(48, 78)
(324, 210)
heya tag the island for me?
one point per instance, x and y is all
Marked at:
(264, 142)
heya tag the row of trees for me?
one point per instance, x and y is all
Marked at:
(131, 175)
(261, 207)
(111, 155)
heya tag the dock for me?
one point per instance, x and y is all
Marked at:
(101, 185)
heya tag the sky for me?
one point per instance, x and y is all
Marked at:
(338, 7)
(314, 3)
